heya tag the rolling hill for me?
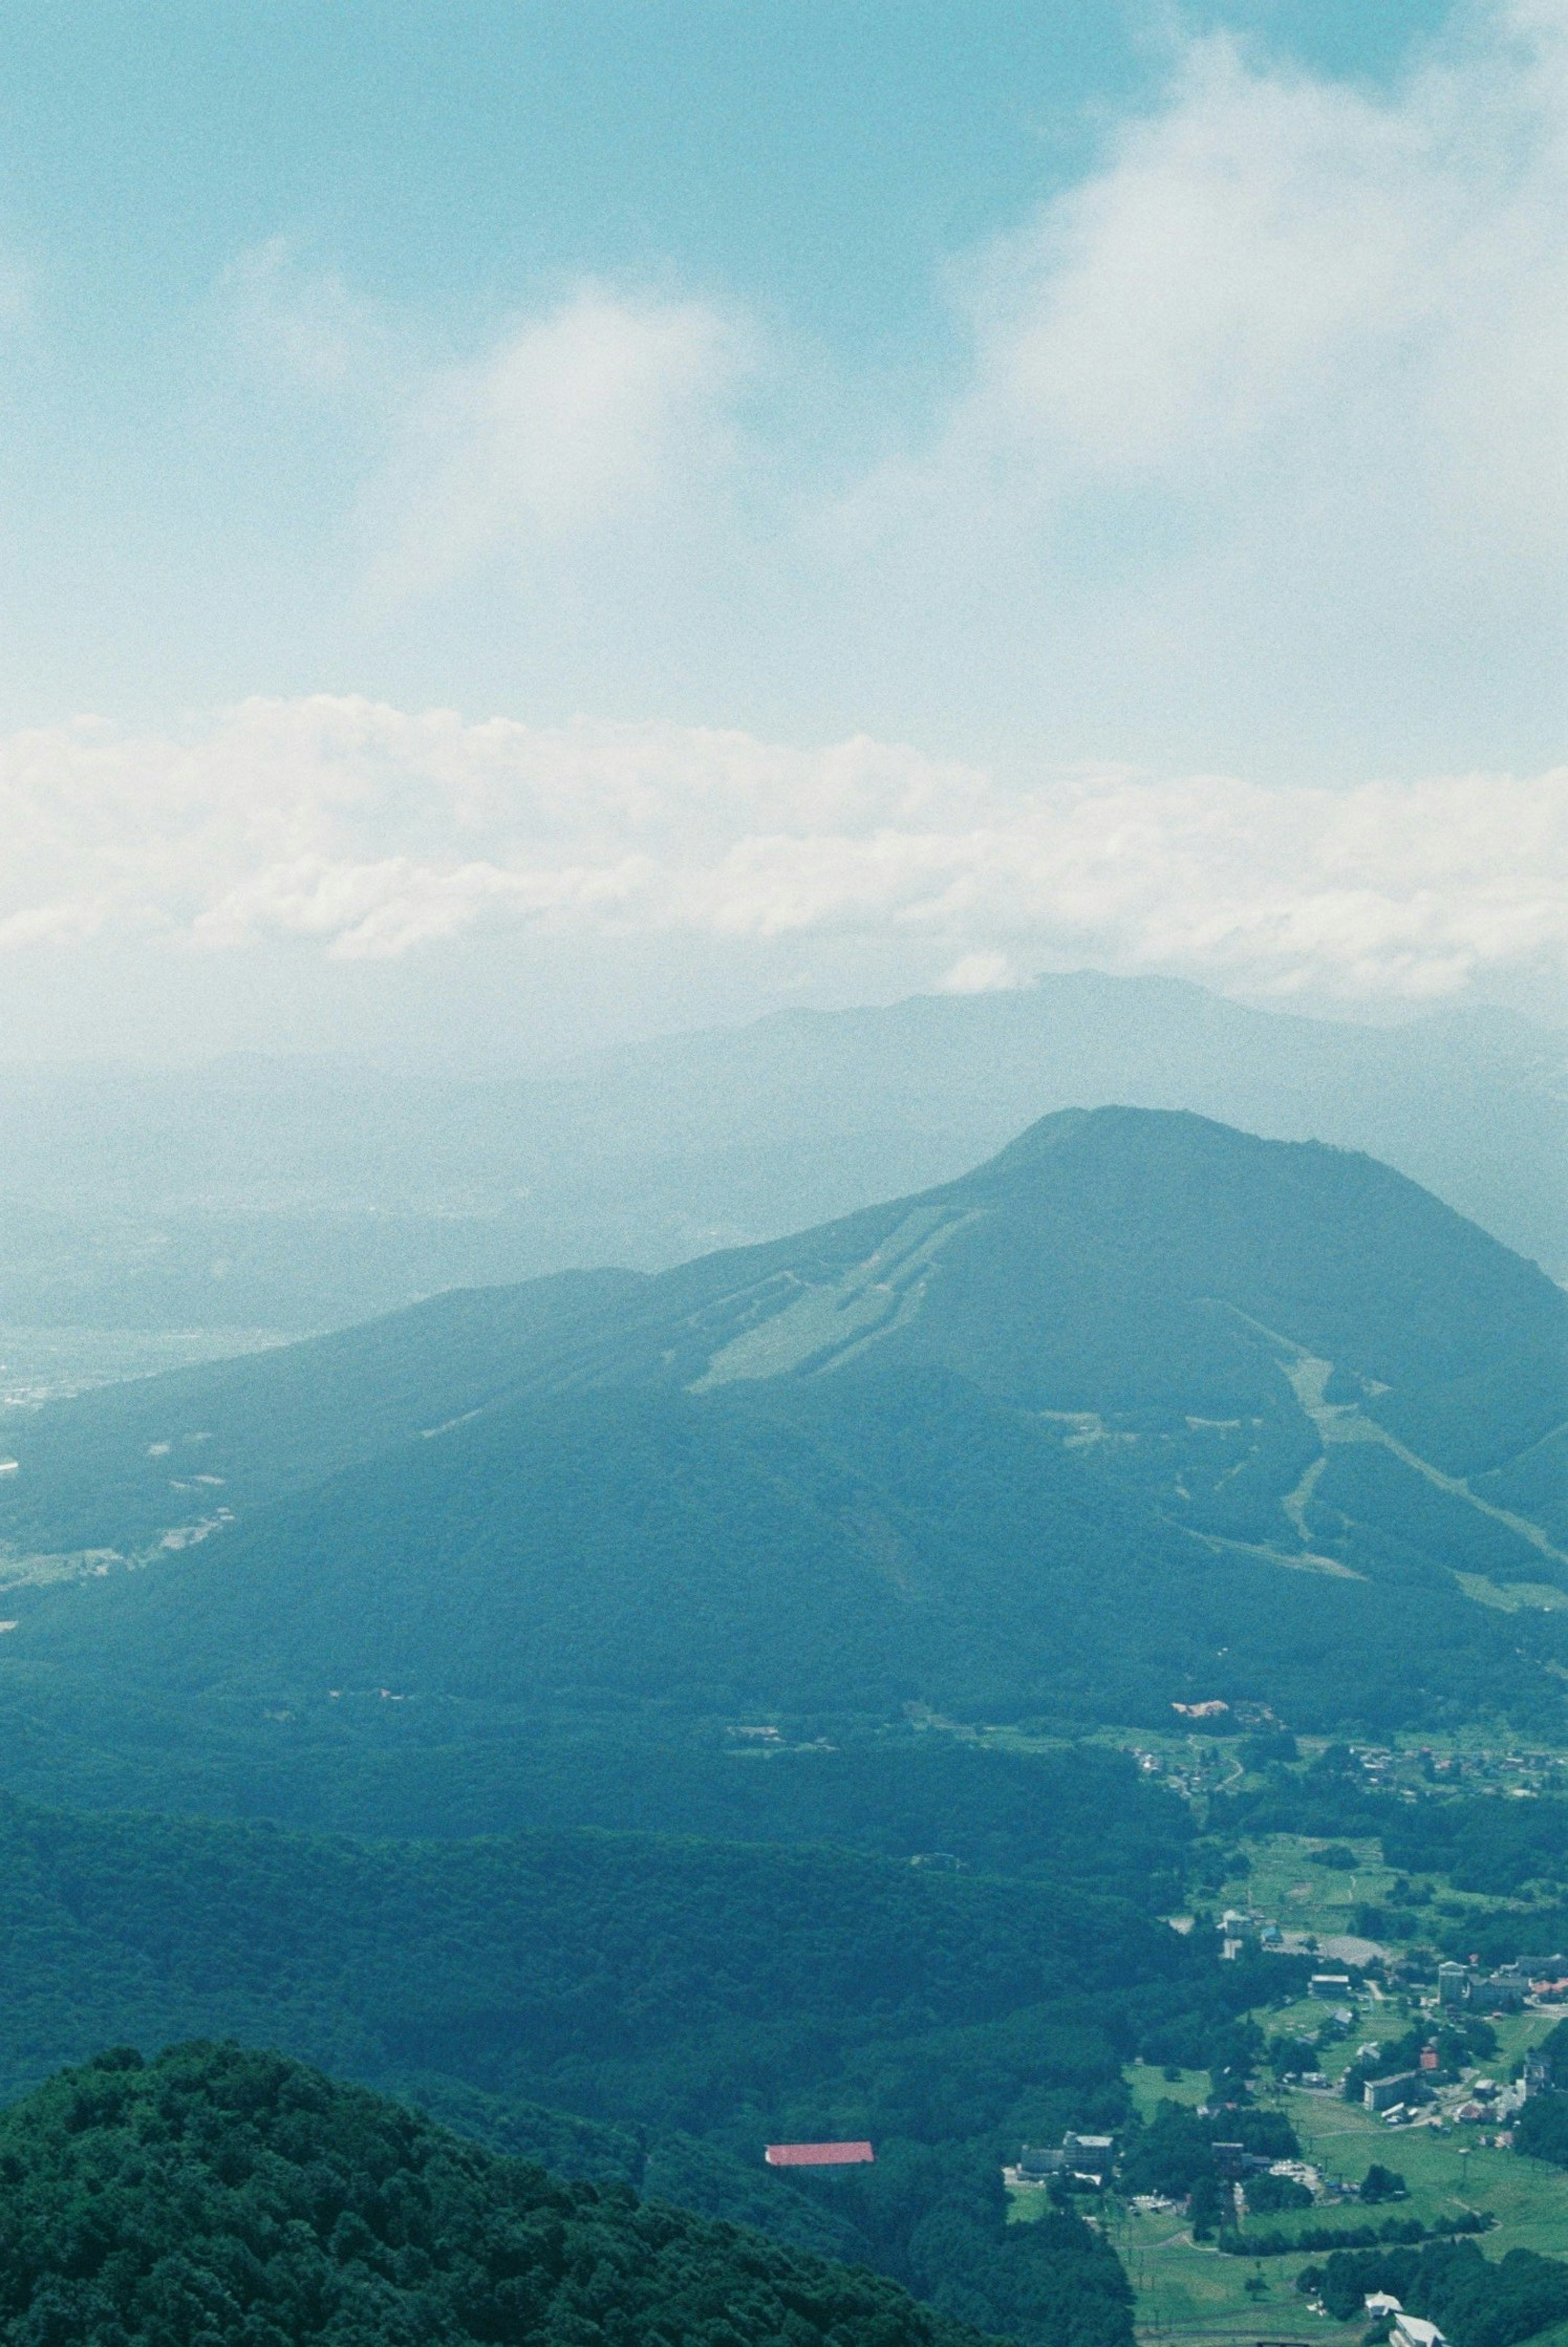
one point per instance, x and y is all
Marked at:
(1144, 1410)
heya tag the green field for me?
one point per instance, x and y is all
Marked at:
(1445, 2173)
(1194, 2292)
(1151, 2088)
(1197, 2295)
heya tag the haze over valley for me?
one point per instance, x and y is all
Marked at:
(225, 1203)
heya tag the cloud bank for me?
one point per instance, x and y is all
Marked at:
(1243, 479)
(363, 833)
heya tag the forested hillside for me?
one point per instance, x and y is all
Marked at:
(220, 2195)
(650, 2008)
(682, 1592)
(518, 1960)
(362, 1765)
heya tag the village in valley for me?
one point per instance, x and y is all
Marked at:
(1383, 2108)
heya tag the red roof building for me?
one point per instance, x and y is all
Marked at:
(818, 2154)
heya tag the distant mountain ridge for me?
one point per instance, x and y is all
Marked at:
(293, 1195)
(1139, 1373)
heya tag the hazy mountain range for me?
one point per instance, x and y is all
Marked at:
(296, 1194)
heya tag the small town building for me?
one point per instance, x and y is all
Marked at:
(1238, 1933)
(1410, 2331)
(1453, 1985)
(1330, 1985)
(818, 2154)
(1383, 2093)
(1089, 2157)
(1379, 2303)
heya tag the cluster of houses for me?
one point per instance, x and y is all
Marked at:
(1089, 2159)
(1406, 2094)
(1506, 1988)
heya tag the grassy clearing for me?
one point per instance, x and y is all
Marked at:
(1288, 1884)
(1445, 2173)
(1026, 2202)
(1192, 2293)
(1151, 2088)
(1514, 1596)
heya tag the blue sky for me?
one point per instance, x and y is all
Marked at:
(1033, 393)
(817, 165)
(817, 156)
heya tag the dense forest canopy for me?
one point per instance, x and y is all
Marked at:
(221, 2195)
(651, 2010)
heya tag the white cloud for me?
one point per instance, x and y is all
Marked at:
(592, 414)
(298, 331)
(367, 832)
(1277, 271)
(1262, 437)
(1253, 450)
(978, 973)
(1264, 428)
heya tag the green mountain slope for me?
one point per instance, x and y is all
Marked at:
(1115, 1259)
(217, 2194)
(922, 1545)
(1144, 1410)
(135, 1459)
